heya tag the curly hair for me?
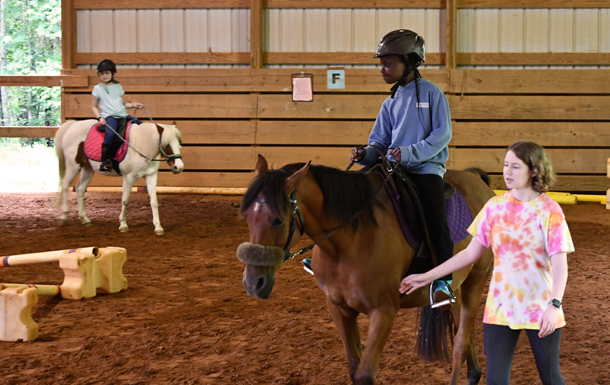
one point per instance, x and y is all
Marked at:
(534, 157)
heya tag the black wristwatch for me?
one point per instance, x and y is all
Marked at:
(98, 119)
(555, 302)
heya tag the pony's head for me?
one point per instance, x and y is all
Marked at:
(267, 209)
(328, 198)
(169, 145)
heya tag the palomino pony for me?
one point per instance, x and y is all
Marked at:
(360, 266)
(149, 139)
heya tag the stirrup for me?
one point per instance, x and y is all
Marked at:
(105, 167)
(307, 265)
(435, 287)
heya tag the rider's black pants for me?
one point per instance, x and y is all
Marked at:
(432, 196)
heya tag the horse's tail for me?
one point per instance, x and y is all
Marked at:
(59, 147)
(435, 326)
(481, 174)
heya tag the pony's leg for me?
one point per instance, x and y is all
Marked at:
(463, 342)
(151, 186)
(127, 184)
(381, 322)
(81, 186)
(347, 324)
(69, 175)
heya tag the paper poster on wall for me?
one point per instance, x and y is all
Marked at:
(302, 87)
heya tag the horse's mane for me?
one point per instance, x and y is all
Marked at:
(346, 194)
(170, 131)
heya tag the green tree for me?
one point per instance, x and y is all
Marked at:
(30, 38)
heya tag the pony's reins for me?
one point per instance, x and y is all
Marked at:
(163, 153)
(295, 210)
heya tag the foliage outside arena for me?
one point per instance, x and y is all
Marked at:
(30, 36)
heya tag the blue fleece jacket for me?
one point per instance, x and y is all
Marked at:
(422, 131)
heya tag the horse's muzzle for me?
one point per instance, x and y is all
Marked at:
(260, 255)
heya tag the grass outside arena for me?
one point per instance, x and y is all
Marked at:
(27, 168)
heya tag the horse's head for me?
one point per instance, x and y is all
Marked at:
(169, 146)
(273, 225)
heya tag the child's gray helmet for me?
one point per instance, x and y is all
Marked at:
(106, 65)
(403, 42)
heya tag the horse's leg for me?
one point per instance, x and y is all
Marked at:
(81, 187)
(128, 181)
(70, 173)
(381, 322)
(347, 324)
(463, 343)
(151, 186)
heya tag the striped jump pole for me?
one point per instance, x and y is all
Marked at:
(47, 256)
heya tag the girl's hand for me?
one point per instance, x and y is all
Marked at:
(413, 282)
(357, 154)
(137, 105)
(548, 322)
(102, 121)
(396, 154)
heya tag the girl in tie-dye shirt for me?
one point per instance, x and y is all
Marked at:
(530, 240)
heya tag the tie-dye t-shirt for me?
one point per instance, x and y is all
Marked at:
(523, 236)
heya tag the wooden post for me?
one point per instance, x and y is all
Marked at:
(608, 192)
(68, 35)
(450, 56)
(256, 34)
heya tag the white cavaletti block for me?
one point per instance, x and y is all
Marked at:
(16, 323)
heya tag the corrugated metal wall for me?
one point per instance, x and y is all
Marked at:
(340, 30)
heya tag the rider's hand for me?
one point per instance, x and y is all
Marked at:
(396, 154)
(413, 282)
(357, 154)
(137, 105)
(102, 121)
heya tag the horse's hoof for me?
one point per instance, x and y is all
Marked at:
(124, 229)
(87, 224)
(159, 232)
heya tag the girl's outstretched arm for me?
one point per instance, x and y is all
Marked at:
(468, 256)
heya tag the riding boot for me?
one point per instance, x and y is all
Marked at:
(307, 265)
(106, 165)
(441, 294)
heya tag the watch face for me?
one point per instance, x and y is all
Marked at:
(556, 303)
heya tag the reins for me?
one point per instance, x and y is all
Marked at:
(295, 209)
(161, 151)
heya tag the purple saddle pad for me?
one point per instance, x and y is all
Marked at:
(459, 218)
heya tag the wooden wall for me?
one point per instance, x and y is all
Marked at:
(223, 70)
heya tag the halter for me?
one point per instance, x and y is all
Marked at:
(293, 226)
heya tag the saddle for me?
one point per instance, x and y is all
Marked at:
(409, 211)
(95, 138)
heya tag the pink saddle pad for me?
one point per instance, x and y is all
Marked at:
(95, 138)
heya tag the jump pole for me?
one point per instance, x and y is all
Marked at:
(47, 256)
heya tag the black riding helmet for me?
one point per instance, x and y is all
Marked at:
(403, 42)
(106, 65)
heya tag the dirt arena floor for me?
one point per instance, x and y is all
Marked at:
(186, 318)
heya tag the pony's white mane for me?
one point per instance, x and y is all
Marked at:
(170, 131)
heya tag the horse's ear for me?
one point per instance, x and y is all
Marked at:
(174, 123)
(261, 165)
(293, 180)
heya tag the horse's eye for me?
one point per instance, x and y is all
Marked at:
(277, 222)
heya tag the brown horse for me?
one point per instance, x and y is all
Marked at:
(360, 266)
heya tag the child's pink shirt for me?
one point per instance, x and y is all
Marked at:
(523, 236)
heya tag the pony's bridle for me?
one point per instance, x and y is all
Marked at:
(168, 157)
(296, 213)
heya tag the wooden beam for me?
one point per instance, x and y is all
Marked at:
(336, 58)
(547, 134)
(541, 58)
(540, 107)
(322, 107)
(160, 4)
(451, 48)
(43, 80)
(355, 4)
(534, 4)
(566, 183)
(68, 34)
(166, 57)
(175, 106)
(504, 81)
(28, 132)
(246, 80)
(256, 33)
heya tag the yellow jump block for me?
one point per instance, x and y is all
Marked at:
(16, 323)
